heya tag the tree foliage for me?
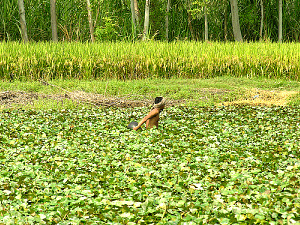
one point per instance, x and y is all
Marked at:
(73, 25)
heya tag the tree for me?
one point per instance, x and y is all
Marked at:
(205, 24)
(225, 23)
(133, 18)
(53, 20)
(137, 15)
(23, 21)
(146, 22)
(167, 19)
(235, 21)
(261, 19)
(280, 20)
(201, 8)
(189, 12)
(91, 25)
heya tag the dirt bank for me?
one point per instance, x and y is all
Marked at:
(253, 97)
(11, 98)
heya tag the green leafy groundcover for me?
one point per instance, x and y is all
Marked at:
(237, 165)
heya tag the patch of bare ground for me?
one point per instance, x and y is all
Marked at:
(206, 94)
(10, 98)
(212, 91)
(257, 97)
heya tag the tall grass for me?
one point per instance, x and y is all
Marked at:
(123, 60)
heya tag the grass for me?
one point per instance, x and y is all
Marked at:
(46, 104)
(295, 100)
(148, 60)
(203, 92)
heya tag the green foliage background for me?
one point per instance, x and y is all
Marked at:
(73, 22)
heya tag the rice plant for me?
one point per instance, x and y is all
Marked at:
(125, 60)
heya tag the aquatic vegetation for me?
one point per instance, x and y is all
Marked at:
(218, 165)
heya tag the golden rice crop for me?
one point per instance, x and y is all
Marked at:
(125, 60)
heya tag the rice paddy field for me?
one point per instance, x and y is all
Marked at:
(140, 60)
(72, 163)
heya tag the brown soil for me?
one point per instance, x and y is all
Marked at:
(10, 98)
(251, 97)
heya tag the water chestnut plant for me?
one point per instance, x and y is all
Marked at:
(210, 165)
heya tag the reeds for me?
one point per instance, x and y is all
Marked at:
(124, 60)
